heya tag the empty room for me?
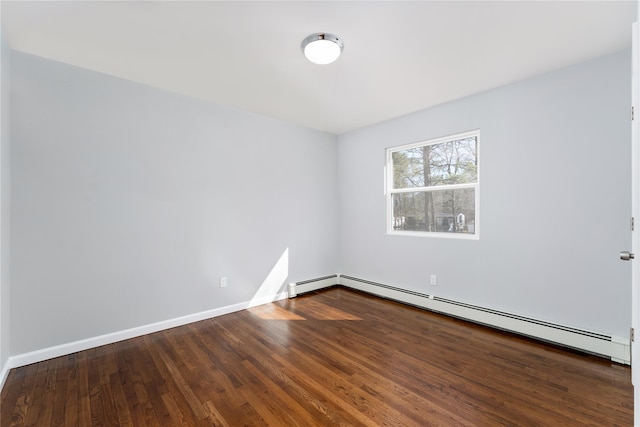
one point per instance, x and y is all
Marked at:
(318, 213)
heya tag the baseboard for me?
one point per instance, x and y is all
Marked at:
(72, 347)
(4, 373)
(614, 348)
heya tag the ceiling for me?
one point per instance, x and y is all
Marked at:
(399, 57)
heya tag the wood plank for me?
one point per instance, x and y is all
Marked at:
(15, 402)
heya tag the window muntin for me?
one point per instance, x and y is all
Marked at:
(433, 187)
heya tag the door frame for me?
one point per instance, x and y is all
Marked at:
(635, 215)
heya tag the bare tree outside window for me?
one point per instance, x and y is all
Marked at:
(434, 185)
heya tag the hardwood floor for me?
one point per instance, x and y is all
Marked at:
(336, 357)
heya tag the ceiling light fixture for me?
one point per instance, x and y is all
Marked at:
(322, 48)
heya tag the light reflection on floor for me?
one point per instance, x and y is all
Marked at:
(274, 312)
(312, 310)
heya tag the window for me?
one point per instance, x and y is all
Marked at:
(432, 187)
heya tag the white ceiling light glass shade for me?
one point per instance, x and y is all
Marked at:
(322, 48)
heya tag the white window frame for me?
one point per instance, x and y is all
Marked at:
(390, 191)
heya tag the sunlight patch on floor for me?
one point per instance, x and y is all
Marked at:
(274, 312)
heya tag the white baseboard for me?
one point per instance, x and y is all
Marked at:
(72, 347)
(617, 349)
(4, 373)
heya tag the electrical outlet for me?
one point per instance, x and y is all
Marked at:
(223, 282)
(434, 280)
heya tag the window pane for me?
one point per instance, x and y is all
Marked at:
(447, 163)
(451, 211)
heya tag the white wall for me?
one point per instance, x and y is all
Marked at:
(4, 206)
(554, 200)
(129, 203)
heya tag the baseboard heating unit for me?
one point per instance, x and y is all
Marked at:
(615, 348)
(312, 285)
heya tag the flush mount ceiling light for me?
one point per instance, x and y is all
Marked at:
(322, 48)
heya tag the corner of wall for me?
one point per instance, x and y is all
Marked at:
(4, 210)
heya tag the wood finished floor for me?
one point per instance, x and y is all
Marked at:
(332, 358)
